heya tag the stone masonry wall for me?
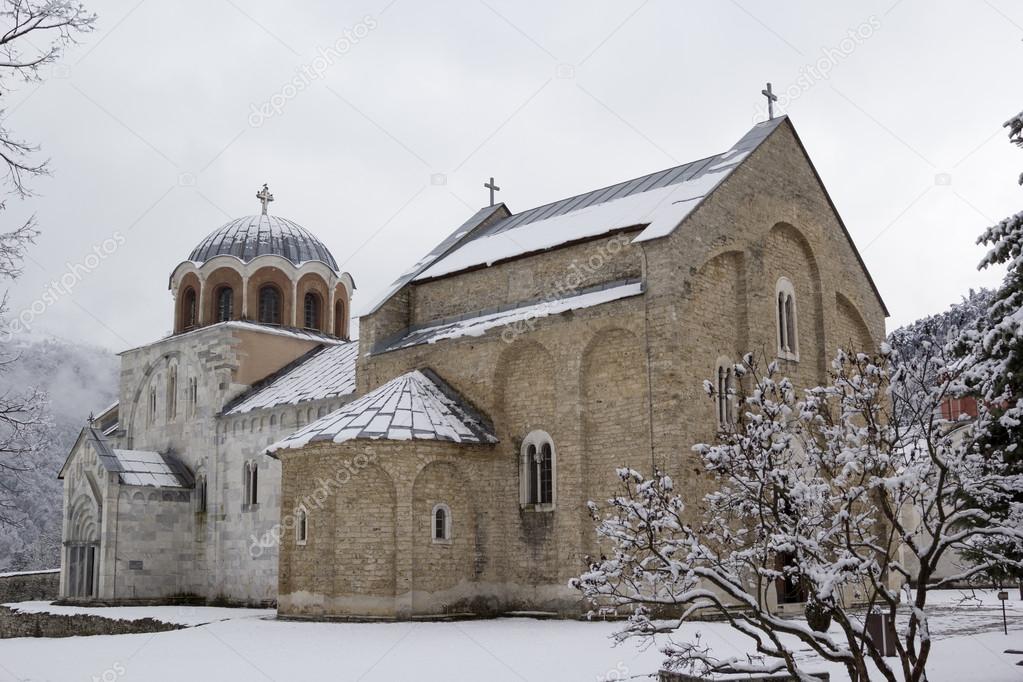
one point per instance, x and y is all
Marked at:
(620, 382)
(36, 586)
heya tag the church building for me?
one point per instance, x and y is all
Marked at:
(443, 463)
(167, 493)
(504, 378)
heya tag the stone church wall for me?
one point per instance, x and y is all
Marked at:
(543, 276)
(622, 383)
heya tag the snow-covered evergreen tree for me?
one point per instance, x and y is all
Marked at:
(996, 346)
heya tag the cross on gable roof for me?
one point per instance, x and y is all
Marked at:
(660, 201)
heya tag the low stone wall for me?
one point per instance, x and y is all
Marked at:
(36, 586)
(666, 676)
(17, 624)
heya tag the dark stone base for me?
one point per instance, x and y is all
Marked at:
(16, 624)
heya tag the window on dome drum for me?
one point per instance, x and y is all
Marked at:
(225, 304)
(188, 310)
(312, 311)
(538, 471)
(788, 335)
(269, 304)
(441, 526)
(301, 526)
(723, 393)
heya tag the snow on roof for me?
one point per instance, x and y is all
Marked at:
(481, 217)
(418, 405)
(244, 325)
(36, 572)
(660, 201)
(513, 318)
(327, 372)
(143, 467)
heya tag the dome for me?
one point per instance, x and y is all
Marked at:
(260, 235)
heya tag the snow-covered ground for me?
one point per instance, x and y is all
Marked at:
(248, 644)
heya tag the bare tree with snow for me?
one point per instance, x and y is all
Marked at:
(825, 491)
(35, 34)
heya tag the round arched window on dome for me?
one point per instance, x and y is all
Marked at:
(189, 318)
(225, 304)
(312, 311)
(269, 304)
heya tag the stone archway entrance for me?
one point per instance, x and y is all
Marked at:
(82, 550)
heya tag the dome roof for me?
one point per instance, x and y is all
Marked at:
(260, 235)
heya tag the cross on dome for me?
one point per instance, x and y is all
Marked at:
(264, 197)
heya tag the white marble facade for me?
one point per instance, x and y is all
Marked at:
(168, 493)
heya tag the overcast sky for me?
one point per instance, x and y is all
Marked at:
(158, 129)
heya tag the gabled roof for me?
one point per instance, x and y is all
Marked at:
(134, 467)
(659, 202)
(324, 372)
(418, 405)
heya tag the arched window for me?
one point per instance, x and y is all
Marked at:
(193, 395)
(152, 405)
(724, 393)
(225, 304)
(312, 311)
(269, 304)
(788, 330)
(538, 472)
(251, 483)
(339, 319)
(441, 523)
(172, 393)
(200, 494)
(188, 310)
(301, 526)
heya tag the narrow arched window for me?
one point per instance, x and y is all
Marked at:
(188, 310)
(225, 304)
(269, 304)
(441, 523)
(200, 494)
(172, 393)
(538, 472)
(787, 318)
(251, 483)
(312, 311)
(724, 392)
(301, 526)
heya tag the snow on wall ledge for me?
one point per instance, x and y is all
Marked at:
(513, 318)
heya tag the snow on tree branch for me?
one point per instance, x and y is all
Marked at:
(821, 492)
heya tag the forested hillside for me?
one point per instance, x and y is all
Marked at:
(77, 380)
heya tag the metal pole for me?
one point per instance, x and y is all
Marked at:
(1005, 625)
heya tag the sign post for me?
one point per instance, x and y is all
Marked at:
(1002, 596)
